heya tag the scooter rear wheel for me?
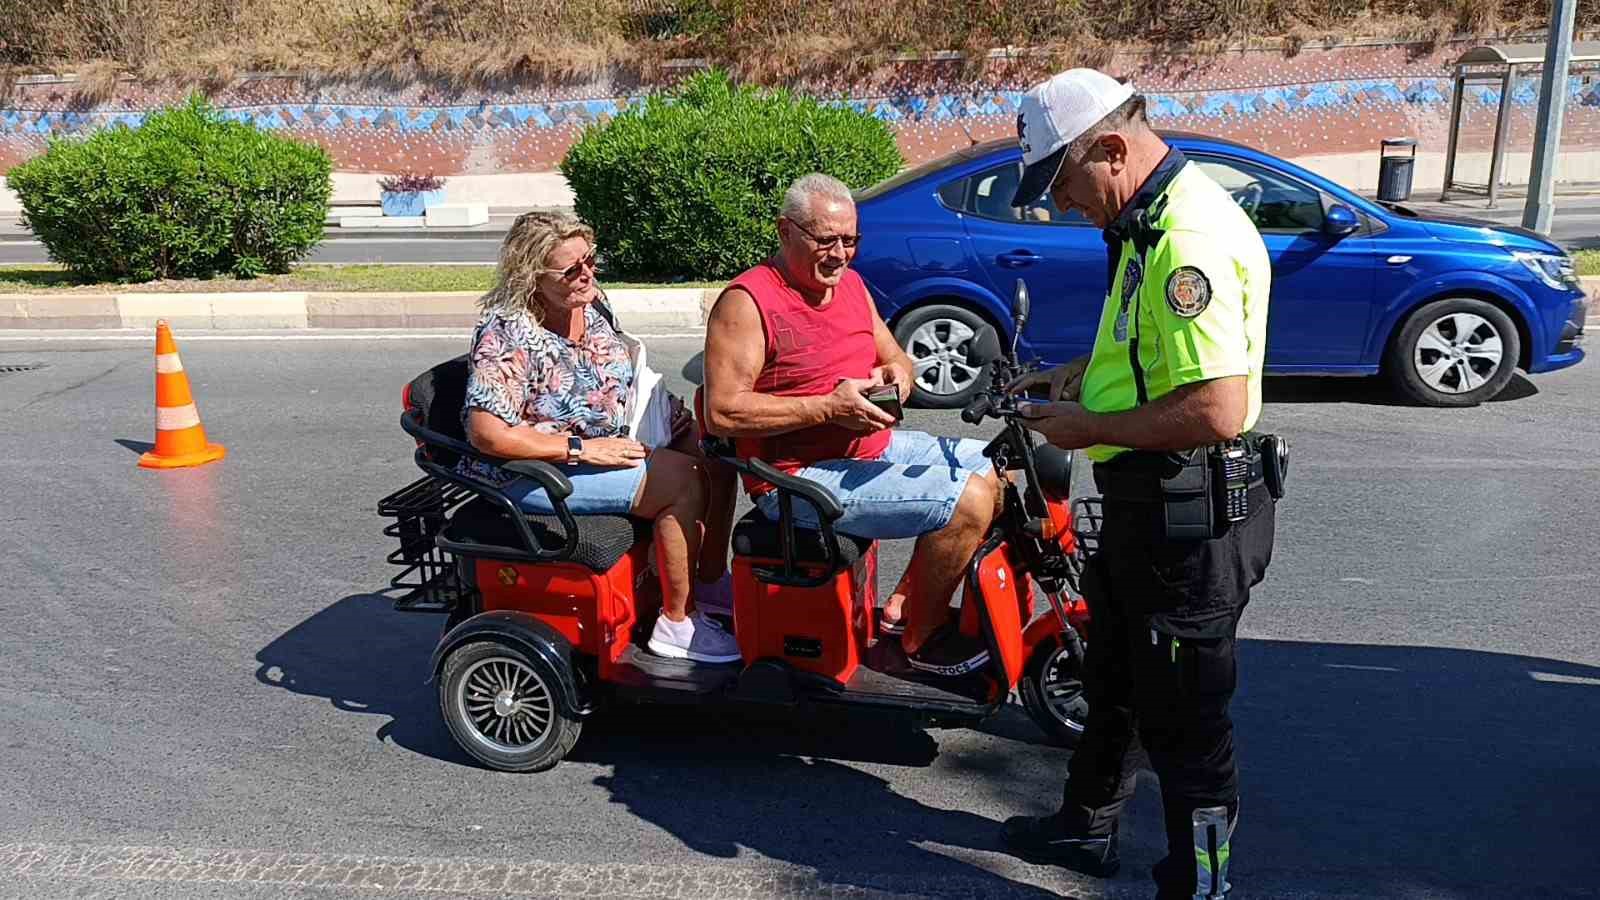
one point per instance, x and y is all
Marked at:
(502, 708)
(1052, 693)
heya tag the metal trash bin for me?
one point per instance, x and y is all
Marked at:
(1394, 171)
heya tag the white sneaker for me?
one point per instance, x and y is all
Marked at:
(696, 638)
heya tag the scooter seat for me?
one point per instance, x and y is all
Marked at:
(755, 535)
(602, 540)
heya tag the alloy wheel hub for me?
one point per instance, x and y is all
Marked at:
(505, 703)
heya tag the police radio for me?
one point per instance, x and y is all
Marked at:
(1232, 462)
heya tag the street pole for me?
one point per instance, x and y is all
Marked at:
(1552, 109)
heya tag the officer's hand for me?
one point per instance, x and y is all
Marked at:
(1065, 424)
(1063, 382)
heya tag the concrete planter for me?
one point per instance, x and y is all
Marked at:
(410, 203)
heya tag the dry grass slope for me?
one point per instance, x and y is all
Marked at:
(465, 43)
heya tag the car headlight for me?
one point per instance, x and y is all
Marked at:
(1554, 269)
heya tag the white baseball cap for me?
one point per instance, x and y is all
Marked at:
(1052, 115)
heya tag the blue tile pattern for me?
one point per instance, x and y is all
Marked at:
(906, 109)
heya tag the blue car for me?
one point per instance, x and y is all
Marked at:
(1447, 308)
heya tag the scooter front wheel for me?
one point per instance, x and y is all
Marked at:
(1052, 692)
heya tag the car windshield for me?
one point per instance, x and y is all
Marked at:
(933, 165)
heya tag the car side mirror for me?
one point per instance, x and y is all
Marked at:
(985, 347)
(1340, 221)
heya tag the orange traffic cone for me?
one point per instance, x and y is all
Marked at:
(180, 441)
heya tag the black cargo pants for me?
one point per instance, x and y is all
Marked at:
(1160, 669)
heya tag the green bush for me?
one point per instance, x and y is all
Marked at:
(689, 182)
(188, 194)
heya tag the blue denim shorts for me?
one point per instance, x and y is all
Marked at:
(911, 489)
(596, 490)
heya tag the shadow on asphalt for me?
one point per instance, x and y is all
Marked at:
(139, 447)
(1392, 769)
(1369, 390)
(364, 657)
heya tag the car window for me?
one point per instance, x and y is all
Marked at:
(988, 194)
(1274, 202)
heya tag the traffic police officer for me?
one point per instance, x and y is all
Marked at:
(1165, 403)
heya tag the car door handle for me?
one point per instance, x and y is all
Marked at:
(1016, 259)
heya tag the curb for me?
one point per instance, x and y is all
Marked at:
(641, 310)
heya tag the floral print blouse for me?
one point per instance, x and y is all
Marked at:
(526, 374)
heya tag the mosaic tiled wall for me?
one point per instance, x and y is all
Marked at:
(1316, 102)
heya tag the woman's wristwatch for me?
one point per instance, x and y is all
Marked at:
(574, 449)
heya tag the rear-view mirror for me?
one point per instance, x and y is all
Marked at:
(985, 347)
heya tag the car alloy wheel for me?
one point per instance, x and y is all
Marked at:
(1458, 353)
(938, 351)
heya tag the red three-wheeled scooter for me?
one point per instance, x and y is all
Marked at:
(545, 617)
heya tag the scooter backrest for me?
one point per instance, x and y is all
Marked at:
(435, 397)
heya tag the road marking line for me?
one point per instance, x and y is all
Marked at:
(490, 877)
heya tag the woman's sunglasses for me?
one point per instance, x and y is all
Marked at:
(571, 272)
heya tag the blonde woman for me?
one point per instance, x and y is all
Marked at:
(549, 379)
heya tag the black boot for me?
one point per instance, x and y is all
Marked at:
(1052, 840)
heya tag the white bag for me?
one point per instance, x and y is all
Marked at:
(649, 409)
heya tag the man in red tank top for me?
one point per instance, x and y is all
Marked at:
(791, 347)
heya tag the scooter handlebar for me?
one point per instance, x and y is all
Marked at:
(975, 412)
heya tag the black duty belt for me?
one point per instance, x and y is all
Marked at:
(1137, 474)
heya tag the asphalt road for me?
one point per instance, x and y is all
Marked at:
(201, 695)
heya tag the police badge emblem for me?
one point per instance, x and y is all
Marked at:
(1188, 292)
(1132, 277)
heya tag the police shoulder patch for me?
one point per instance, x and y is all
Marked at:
(1188, 292)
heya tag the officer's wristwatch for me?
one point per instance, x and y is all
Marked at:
(574, 450)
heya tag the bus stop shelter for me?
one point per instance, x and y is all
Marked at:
(1502, 63)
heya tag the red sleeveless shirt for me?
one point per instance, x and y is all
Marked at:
(809, 349)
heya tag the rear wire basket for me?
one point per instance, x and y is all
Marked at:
(428, 575)
(1087, 516)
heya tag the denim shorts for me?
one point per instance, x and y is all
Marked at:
(911, 489)
(596, 490)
